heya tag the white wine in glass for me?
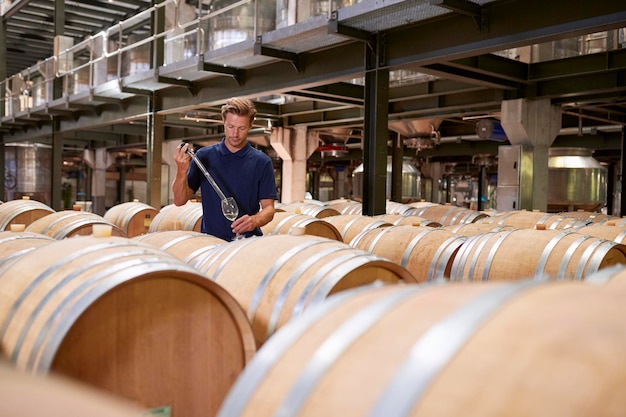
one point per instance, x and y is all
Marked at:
(231, 211)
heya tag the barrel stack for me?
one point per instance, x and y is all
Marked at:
(298, 321)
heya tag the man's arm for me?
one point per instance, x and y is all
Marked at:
(266, 214)
(180, 188)
(248, 223)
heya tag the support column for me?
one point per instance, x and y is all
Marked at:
(3, 69)
(339, 189)
(121, 185)
(433, 172)
(56, 165)
(102, 160)
(314, 183)
(167, 156)
(622, 173)
(532, 124)
(59, 31)
(397, 160)
(3, 76)
(3, 196)
(376, 131)
(293, 146)
(157, 53)
(481, 188)
(154, 145)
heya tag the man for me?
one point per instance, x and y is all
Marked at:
(240, 171)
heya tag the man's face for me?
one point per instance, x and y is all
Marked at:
(236, 131)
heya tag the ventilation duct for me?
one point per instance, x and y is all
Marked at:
(490, 130)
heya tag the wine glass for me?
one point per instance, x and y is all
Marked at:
(231, 211)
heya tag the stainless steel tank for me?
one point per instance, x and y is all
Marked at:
(411, 181)
(576, 181)
(28, 171)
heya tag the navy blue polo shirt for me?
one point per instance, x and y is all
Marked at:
(247, 175)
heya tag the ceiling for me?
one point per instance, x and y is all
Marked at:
(452, 62)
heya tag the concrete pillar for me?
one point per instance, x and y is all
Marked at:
(434, 172)
(167, 155)
(102, 160)
(56, 171)
(155, 139)
(293, 146)
(533, 124)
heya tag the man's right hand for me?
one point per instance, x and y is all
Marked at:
(180, 189)
(181, 157)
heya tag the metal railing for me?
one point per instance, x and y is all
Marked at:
(130, 47)
(182, 32)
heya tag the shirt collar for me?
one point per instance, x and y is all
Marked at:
(240, 153)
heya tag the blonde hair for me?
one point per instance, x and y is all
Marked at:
(240, 107)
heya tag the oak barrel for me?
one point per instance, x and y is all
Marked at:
(421, 203)
(393, 207)
(345, 206)
(283, 222)
(407, 219)
(527, 253)
(613, 277)
(68, 223)
(524, 219)
(172, 217)
(22, 211)
(589, 216)
(133, 217)
(184, 244)
(526, 348)
(472, 229)
(276, 277)
(350, 225)
(312, 209)
(447, 214)
(14, 244)
(127, 318)
(23, 394)
(426, 252)
(614, 233)
(611, 222)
